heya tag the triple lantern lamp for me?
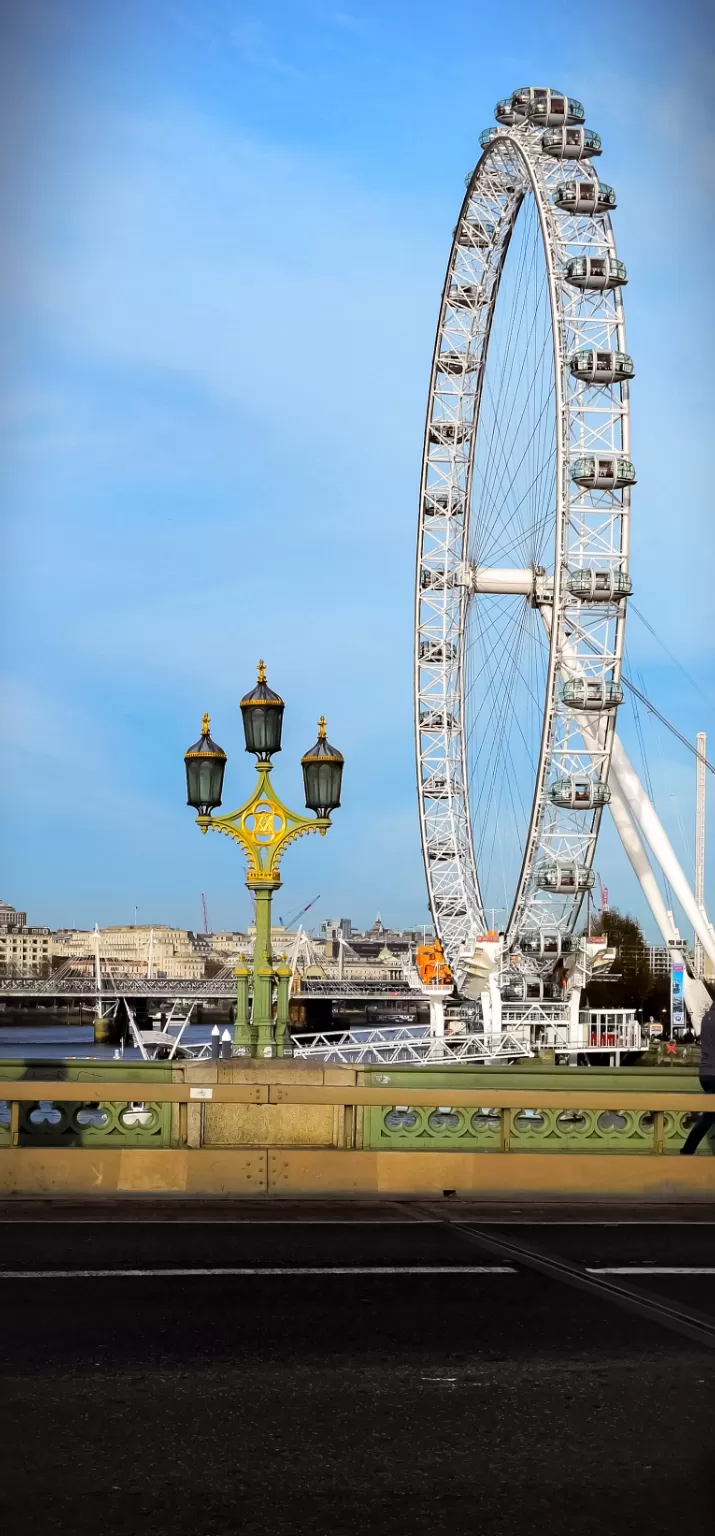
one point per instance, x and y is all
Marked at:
(262, 712)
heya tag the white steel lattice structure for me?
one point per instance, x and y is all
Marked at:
(522, 565)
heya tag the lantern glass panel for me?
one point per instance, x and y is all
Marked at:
(323, 781)
(263, 727)
(204, 783)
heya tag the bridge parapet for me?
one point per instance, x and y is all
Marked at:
(279, 1127)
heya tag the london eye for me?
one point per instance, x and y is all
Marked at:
(523, 574)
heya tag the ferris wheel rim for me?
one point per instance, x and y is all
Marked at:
(521, 142)
(490, 150)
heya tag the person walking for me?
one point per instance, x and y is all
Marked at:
(704, 1122)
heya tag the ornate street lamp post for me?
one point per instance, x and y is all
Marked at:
(263, 827)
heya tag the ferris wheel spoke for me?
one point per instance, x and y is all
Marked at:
(501, 771)
(497, 699)
(487, 675)
(497, 495)
(511, 511)
(510, 355)
(505, 437)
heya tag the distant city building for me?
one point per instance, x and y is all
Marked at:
(399, 941)
(334, 926)
(221, 945)
(10, 918)
(171, 954)
(84, 965)
(22, 948)
(659, 959)
(377, 954)
(25, 949)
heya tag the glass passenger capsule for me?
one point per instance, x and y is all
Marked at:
(486, 136)
(464, 295)
(594, 586)
(591, 694)
(546, 944)
(432, 579)
(585, 197)
(579, 794)
(524, 96)
(564, 876)
(444, 504)
(601, 367)
(506, 114)
(457, 362)
(522, 989)
(570, 143)
(448, 432)
(441, 855)
(595, 272)
(436, 720)
(437, 651)
(603, 472)
(548, 109)
(437, 788)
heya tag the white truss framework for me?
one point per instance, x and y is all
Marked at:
(390, 1046)
(589, 532)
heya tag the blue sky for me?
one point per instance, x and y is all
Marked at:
(224, 235)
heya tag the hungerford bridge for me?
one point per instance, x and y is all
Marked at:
(523, 585)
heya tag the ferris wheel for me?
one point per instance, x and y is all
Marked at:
(522, 565)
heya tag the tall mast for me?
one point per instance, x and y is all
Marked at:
(700, 741)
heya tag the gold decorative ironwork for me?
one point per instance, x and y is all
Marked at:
(263, 827)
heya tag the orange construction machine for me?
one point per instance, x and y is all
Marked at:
(432, 967)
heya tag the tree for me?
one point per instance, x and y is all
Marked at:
(636, 983)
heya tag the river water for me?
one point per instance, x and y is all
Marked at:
(60, 1042)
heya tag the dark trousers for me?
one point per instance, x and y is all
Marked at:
(702, 1125)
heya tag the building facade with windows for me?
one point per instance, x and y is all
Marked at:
(10, 917)
(25, 949)
(171, 954)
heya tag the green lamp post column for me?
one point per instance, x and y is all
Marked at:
(263, 971)
(283, 977)
(243, 1037)
(263, 827)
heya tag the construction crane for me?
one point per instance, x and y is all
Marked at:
(602, 895)
(296, 915)
(206, 915)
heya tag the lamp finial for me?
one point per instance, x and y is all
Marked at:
(205, 723)
(261, 671)
(321, 728)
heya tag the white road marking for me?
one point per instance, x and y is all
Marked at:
(118, 1218)
(184, 1272)
(262, 1269)
(652, 1269)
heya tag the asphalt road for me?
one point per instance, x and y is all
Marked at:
(156, 1375)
